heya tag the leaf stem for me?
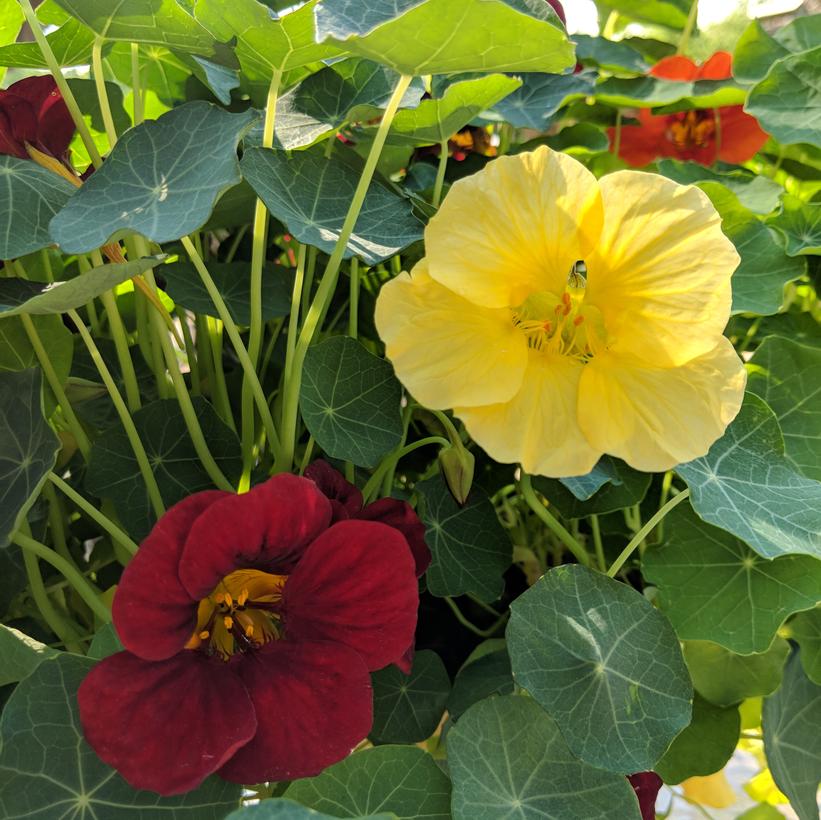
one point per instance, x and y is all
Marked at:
(687, 31)
(597, 542)
(373, 482)
(353, 307)
(482, 633)
(440, 173)
(102, 94)
(136, 84)
(293, 318)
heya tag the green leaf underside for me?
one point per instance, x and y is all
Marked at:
(799, 223)
(713, 587)
(350, 401)
(608, 54)
(21, 655)
(281, 809)
(161, 180)
(746, 486)
(792, 742)
(310, 193)
(541, 96)
(805, 628)
(403, 780)
(508, 760)
(113, 472)
(47, 769)
(470, 548)
(28, 447)
(652, 92)
(71, 45)
(604, 664)
(479, 679)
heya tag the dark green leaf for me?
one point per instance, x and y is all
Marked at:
(541, 96)
(613, 56)
(650, 92)
(585, 487)
(479, 679)
(508, 759)
(280, 809)
(604, 663)
(71, 44)
(21, 655)
(805, 628)
(800, 224)
(85, 92)
(582, 135)
(756, 50)
(106, 642)
(470, 548)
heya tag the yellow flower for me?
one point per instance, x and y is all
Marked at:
(549, 362)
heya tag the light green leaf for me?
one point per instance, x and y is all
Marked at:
(805, 628)
(746, 486)
(350, 401)
(479, 679)
(581, 136)
(756, 50)
(403, 780)
(604, 664)
(541, 96)
(470, 548)
(724, 678)
(310, 193)
(280, 809)
(787, 376)
(11, 21)
(42, 298)
(408, 708)
(800, 224)
(792, 742)
(713, 587)
(47, 770)
(509, 760)
(160, 70)
(71, 44)
(669, 13)
(21, 655)
(28, 448)
(443, 37)
(161, 179)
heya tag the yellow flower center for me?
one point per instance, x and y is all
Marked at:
(241, 613)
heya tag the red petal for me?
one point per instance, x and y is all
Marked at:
(18, 124)
(153, 613)
(313, 703)
(675, 68)
(405, 663)
(641, 144)
(401, 516)
(267, 528)
(357, 586)
(741, 135)
(345, 497)
(646, 786)
(35, 90)
(718, 67)
(55, 127)
(165, 726)
(557, 7)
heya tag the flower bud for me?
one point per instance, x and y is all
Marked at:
(457, 465)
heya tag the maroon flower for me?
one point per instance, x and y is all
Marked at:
(646, 785)
(557, 7)
(250, 624)
(32, 111)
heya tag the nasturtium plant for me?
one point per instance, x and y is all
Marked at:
(409, 409)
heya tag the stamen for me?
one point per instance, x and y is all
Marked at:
(220, 597)
(243, 597)
(229, 601)
(228, 621)
(249, 631)
(578, 320)
(204, 635)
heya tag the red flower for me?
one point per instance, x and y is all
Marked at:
(250, 624)
(703, 135)
(646, 785)
(33, 111)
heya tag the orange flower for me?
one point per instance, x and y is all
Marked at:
(703, 135)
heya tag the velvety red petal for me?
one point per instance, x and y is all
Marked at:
(741, 135)
(675, 68)
(646, 786)
(718, 67)
(405, 663)
(153, 613)
(357, 586)
(35, 90)
(55, 128)
(8, 143)
(345, 498)
(19, 124)
(267, 528)
(313, 703)
(401, 516)
(165, 726)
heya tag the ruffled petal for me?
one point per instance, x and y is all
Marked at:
(661, 274)
(345, 498)
(655, 418)
(741, 135)
(514, 229)
(152, 611)
(356, 586)
(18, 125)
(55, 127)
(641, 144)
(267, 528)
(538, 427)
(401, 516)
(314, 704)
(718, 67)
(675, 67)
(165, 726)
(445, 349)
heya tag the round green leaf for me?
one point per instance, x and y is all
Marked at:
(279, 809)
(479, 679)
(805, 628)
(800, 224)
(541, 96)
(21, 654)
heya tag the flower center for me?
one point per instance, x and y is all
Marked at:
(242, 613)
(691, 129)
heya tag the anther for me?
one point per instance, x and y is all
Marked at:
(204, 635)
(249, 631)
(243, 597)
(578, 320)
(229, 601)
(220, 597)
(228, 621)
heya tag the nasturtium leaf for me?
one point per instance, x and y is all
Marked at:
(583, 136)
(792, 742)
(310, 193)
(800, 224)
(113, 472)
(756, 50)
(350, 401)
(11, 21)
(792, 84)
(160, 70)
(613, 56)
(508, 759)
(470, 548)
(479, 679)
(42, 298)
(161, 179)
(604, 663)
(713, 587)
(725, 678)
(105, 642)
(746, 486)
(787, 375)
(650, 92)
(402, 780)
(71, 44)
(221, 79)
(585, 487)
(185, 287)
(805, 629)
(541, 96)
(48, 770)
(29, 198)
(21, 654)
(28, 447)
(443, 37)
(281, 809)
(669, 13)
(408, 708)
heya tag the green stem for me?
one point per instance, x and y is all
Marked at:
(190, 351)
(440, 173)
(597, 542)
(482, 633)
(136, 84)
(219, 389)
(60, 626)
(689, 26)
(56, 518)
(552, 524)
(353, 308)
(125, 417)
(644, 531)
(450, 427)
(102, 94)
(293, 318)
(373, 482)
(617, 133)
(310, 269)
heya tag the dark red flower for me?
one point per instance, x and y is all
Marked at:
(251, 624)
(703, 135)
(32, 110)
(646, 785)
(557, 7)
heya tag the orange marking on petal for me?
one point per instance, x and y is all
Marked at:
(578, 320)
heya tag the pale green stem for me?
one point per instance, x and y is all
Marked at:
(60, 626)
(373, 482)
(102, 94)
(353, 308)
(190, 351)
(440, 173)
(219, 389)
(56, 517)
(293, 318)
(482, 633)
(597, 542)
(617, 133)
(686, 33)
(310, 269)
(136, 84)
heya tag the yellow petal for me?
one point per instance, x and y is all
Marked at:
(514, 228)
(656, 417)
(661, 272)
(713, 791)
(538, 426)
(444, 349)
